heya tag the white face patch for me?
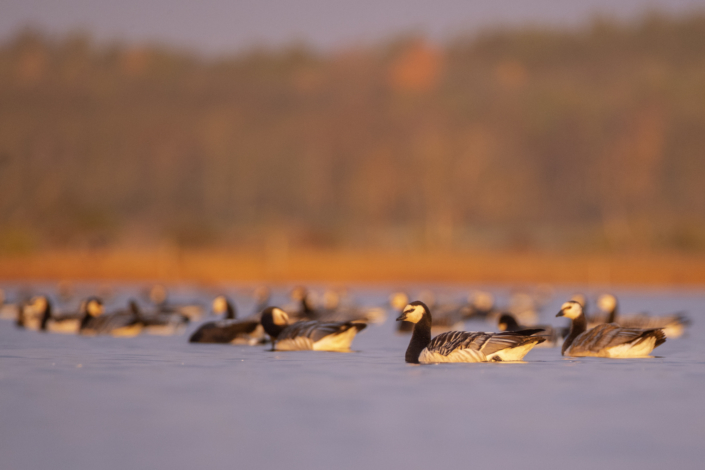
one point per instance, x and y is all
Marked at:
(413, 313)
(39, 304)
(94, 308)
(571, 310)
(220, 305)
(280, 317)
(607, 302)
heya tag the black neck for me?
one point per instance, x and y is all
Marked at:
(135, 309)
(85, 320)
(419, 339)
(577, 326)
(271, 328)
(229, 311)
(46, 316)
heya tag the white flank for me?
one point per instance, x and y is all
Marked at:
(300, 343)
(512, 354)
(632, 350)
(336, 342)
(127, 331)
(66, 326)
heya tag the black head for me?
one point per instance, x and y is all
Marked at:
(274, 320)
(507, 322)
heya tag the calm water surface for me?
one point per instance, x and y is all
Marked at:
(69, 402)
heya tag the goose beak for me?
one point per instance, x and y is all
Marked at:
(560, 314)
(402, 317)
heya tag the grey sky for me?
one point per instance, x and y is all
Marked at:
(224, 25)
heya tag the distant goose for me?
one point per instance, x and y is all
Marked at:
(159, 324)
(673, 325)
(606, 339)
(462, 346)
(228, 330)
(308, 335)
(159, 296)
(481, 305)
(119, 324)
(8, 311)
(507, 322)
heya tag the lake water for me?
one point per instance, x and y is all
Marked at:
(69, 402)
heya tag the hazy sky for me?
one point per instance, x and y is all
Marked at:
(222, 25)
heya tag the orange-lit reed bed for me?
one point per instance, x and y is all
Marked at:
(347, 266)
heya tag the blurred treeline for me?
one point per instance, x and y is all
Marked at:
(585, 139)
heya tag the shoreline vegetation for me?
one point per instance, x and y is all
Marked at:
(401, 160)
(214, 266)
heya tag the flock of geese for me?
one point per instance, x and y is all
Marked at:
(330, 324)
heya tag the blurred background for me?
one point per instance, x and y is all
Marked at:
(173, 138)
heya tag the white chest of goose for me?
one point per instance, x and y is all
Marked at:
(462, 346)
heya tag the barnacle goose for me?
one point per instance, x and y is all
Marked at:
(606, 339)
(94, 322)
(159, 296)
(507, 322)
(8, 311)
(448, 316)
(462, 346)
(160, 324)
(673, 325)
(308, 335)
(227, 330)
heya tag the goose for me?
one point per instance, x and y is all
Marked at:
(480, 305)
(227, 330)
(159, 324)
(339, 307)
(119, 324)
(507, 322)
(606, 339)
(462, 346)
(8, 311)
(159, 296)
(308, 335)
(37, 315)
(673, 325)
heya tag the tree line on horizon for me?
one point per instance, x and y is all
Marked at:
(587, 139)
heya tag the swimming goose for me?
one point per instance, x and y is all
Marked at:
(673, 325)
(159, 324)
(8, 311)
(507, 322)
(159, 296)
(227, 330)
(308, 335)
(94, 322)
(606, 339)
(462, 346)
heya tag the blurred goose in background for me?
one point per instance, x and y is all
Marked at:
(308, 335)
(398, 301)
(8, 311)
(159, 296)
(480, 306)
(339, 307)
(462, 346)
(673, 325)
(606, 339)
(159, 324)
(524, 307)
(119, 324)
(507, 322)
(303, 307)
(229, 329)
